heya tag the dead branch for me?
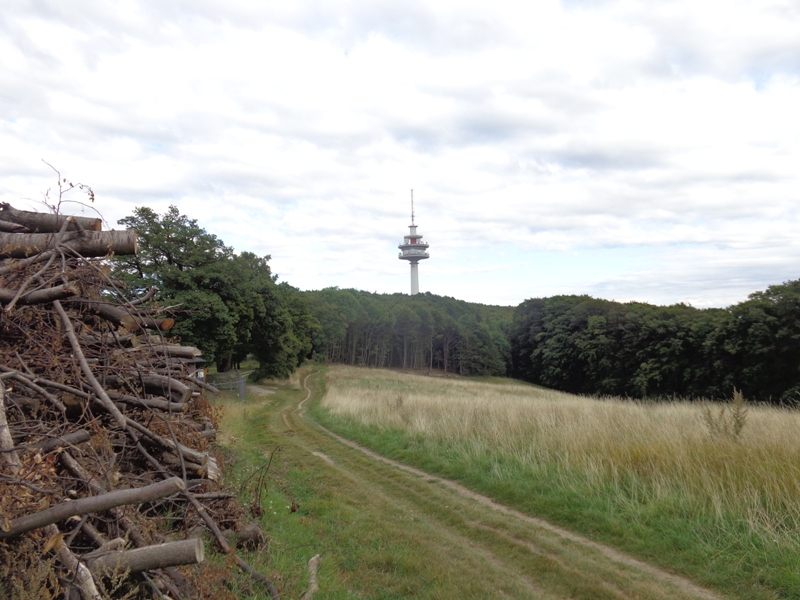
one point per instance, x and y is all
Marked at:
(83, 578)
(160, 403)
(6, 442)
(92, 405)
(64, 441)
(149, 295)
(58, 292)
(37, 222)
(170, 554)
(313, 585)
(10, 227)
(124, 317)
(157, 384)
(92, 504)
(103, 398)
(85, 243)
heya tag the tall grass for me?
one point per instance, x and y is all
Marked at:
(667, 457)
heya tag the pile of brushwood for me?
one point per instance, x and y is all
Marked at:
(106, 469)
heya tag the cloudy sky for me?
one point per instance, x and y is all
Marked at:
(631, 150)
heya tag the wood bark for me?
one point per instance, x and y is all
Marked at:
(37, 222)
(28, 382)
(127, 524)
(313, 585)
(181, 351)
(102, 397)
(212, 525)
(121, 316)
(20, 265)
(71, 439)
(178, 391)
(151, 292)
(82, 576)
(207, 463)
(58, 292)
(58, 362)
(85, 243)
(10, 227)
(160, 403)
(92, 504)
(6, 442)
(170, 554)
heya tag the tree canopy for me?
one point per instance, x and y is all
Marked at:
(230, 305)
(422, 331)
(584, 345)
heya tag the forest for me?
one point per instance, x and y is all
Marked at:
(584, 345)
(423, 331)
(232, 307)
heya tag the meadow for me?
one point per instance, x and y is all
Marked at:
(709, 491)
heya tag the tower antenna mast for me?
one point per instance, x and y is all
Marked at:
(412, 207)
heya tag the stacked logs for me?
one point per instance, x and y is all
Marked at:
(105, 464)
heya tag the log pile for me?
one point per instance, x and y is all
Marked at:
(105, 463)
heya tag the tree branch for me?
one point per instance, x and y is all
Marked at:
(92, 504)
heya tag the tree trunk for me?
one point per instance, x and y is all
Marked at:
(86, 243)
(36, 222)
(224, 364)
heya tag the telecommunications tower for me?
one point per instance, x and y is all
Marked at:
(413, 249)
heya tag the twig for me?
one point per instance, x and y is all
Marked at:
(87, 370)
(83, 577)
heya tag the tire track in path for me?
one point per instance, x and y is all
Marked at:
(504, 525)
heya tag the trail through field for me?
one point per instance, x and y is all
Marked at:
(473, 534)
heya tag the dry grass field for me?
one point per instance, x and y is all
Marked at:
(741, 484)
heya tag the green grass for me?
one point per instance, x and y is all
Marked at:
(731, 525)
(370, 546)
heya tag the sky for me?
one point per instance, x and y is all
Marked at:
(629, 150)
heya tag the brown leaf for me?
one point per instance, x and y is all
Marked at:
(54, 542)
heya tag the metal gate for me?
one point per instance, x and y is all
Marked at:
(230, 381)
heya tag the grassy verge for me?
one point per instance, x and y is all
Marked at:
(268, 487)
(656, 480)
(377, 541)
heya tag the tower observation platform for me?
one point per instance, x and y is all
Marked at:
(413, 249)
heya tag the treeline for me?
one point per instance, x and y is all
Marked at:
(231, 307)
(585, 345)
(230, 304)
(410, 332)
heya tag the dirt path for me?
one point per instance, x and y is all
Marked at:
(540, 560)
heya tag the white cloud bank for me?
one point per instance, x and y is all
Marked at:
(628, 150)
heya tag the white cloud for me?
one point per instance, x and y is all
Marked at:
(620, 148)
